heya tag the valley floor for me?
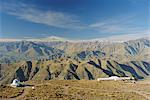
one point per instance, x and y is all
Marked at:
(78, 90)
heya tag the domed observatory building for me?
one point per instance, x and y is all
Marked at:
(15, 83)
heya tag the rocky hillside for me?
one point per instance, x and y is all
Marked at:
(73, 70)
(26, 50)
(73, 60)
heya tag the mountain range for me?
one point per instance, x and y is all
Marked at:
(36, 60)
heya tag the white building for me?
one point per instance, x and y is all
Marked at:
(115, 78)
(15, 83)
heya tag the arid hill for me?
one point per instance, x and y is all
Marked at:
(73, 60)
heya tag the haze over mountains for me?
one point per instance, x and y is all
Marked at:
(115, 38)
(29, 60)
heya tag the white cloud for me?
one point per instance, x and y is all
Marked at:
(49, 17)
(124, 38)
(120, 24)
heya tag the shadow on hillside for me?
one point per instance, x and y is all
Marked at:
(94, 64)
(120, 73)
(140, 68)
(107, 72)
(131, 70)
(127, 68)
(90, 76)
(72, 72)
(146, 65)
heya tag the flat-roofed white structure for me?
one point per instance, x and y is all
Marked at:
(115, 78)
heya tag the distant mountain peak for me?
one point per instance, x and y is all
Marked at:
(54, 38)
(115, 38)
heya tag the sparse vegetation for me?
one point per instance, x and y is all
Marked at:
(79, 90)
(10, 92)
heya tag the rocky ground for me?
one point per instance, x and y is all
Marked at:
(78, 90)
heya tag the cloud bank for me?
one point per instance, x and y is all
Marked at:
(49, 17)
(121, 24)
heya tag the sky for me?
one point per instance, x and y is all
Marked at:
(74, 19)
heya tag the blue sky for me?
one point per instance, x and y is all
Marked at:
(73, 19)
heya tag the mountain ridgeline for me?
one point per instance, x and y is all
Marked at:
(67, 60)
